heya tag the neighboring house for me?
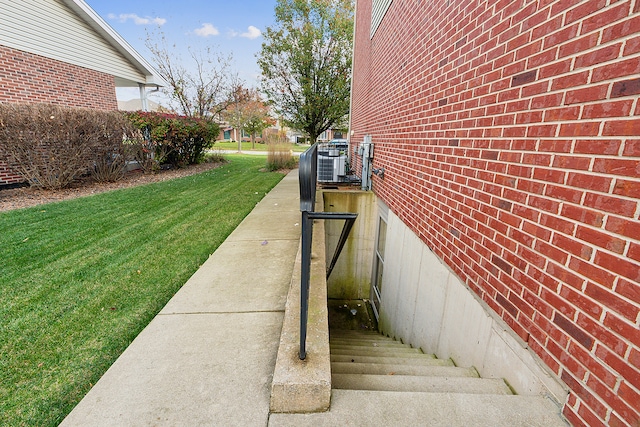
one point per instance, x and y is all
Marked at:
(62, 52)
(330, 134)
(229, 133)
(509, 136)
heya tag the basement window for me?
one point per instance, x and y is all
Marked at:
(378, 265)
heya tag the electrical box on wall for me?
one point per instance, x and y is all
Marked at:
(366, 152)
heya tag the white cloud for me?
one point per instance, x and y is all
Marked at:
(138, 20)
(251, 33)
(206, 30)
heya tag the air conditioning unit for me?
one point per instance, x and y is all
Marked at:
(331, 168)
(332, 161)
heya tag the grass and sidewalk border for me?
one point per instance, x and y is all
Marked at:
(81, 278)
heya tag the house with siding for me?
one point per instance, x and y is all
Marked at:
(506, 152)
(62, 52)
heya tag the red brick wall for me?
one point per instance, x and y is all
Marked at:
(510, 136)
(7, 176)
(25, 77)
(29, 78)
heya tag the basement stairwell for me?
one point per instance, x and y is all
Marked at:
(374, 374)
(378, 381)
(341, 371)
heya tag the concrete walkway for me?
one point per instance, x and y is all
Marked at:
(208, 357)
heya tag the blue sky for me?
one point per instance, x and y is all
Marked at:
(230, 26)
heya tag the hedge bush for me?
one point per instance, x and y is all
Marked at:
(174, 139)
(51, 145)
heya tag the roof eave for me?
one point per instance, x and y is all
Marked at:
(84, 11)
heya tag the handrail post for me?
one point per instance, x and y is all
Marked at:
(349, 220)
(308, 177)
(307, 237)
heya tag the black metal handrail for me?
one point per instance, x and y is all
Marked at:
(308, 177)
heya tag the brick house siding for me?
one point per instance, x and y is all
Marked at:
(29, 78)
(509, 132)
(7, 177)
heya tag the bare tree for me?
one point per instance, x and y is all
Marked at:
(248, 112)
(235, 111)
(202, 89)
(257, 117)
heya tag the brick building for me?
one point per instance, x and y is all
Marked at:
(509, 136)
(62, 52)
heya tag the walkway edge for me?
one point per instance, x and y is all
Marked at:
(301, 386)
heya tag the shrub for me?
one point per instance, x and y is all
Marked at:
(50, 145)
(111, 154)
(174, 139)
(143, 152)
(279, 154)
(109, 164)
(214, 156)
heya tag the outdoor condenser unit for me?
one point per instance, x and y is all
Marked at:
(331, 165)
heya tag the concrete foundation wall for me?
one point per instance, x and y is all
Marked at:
(426, 305)
(351, 276)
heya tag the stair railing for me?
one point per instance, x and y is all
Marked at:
(308, 178)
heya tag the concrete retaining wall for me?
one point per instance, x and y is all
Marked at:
(351, 276)
(426, 305)
(301, 386)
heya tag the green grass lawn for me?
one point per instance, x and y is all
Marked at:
(246, 146)
(80, 279)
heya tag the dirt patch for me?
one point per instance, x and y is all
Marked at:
(23, 197)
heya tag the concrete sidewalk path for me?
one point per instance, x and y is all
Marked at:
(208, 357)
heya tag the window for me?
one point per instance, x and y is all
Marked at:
(378, 266)
(378, 10)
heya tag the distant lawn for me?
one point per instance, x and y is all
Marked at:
(246, 146)
(80, 279)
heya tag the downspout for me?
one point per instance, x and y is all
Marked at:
(144, 104)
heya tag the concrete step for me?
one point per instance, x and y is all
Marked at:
(358, 335)
(419, 384)
(358, 349)
(400, 369)
(381, 408)
(425, 359)
(367, 343)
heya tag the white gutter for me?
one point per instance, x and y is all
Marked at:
(83, 10)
